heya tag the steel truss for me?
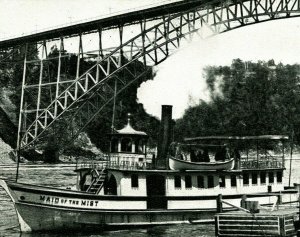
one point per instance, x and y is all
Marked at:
(81, 98)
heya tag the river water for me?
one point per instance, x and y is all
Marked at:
(64, 176)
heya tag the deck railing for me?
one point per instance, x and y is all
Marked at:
(126, 165)
(262, 162)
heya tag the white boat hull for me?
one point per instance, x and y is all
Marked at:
(176, 164)
(44, 209)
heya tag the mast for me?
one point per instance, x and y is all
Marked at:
(18, 150)
(114, 108)
(291, 156)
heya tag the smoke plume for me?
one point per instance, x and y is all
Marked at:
(179, 80)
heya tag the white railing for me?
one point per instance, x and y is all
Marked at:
(126, 165)
(262, 162)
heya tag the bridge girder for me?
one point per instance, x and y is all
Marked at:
(85, 96)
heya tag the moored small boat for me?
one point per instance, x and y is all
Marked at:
(177, 164)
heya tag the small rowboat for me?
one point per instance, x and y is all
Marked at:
(176, 164)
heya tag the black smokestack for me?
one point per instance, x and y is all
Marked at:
(164, 138)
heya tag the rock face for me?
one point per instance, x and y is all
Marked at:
(5, 151)
(8, 134)
(8, 130)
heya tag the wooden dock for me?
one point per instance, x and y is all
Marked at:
(264, 223)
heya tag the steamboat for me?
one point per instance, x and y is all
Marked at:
(131, 188)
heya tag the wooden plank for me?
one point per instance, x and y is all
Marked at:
(248, 221)
(281, 226)
(252, 235)
(216, 225)
(289, 221)
(249, 217)
(248, 224)
(250, 232)
(249, 227)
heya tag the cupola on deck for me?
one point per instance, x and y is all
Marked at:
(128, 145)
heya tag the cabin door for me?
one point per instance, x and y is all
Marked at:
(156, 192)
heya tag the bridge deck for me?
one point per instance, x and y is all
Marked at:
(111, 21)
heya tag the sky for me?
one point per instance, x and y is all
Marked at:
(179, 79)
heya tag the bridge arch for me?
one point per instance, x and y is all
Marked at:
(152, 46)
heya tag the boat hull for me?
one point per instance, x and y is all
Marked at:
(176, 164)
(41, 218)
(49, 209)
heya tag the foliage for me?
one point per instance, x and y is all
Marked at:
(247, 98)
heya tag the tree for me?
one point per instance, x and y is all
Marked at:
(246, 99)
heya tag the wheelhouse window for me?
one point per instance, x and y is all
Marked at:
(254, 178)
(233, 180)
(177, 181)
(210, 181)
(200, 181)
(271, 177)
(222, 181)
(139, 146)
(263, 177)
(134, 181)
(188, 181)
(279, 177)
(126, 145)
(246, 179)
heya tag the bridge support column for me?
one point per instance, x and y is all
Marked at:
(143, 27)
(44, 55)
(121, 42)
(61, 49)
(80, 54)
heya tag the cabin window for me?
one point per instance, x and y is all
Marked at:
(222, 181)
(139, 146)
(263, 177)
(134, 181)
(210, 181)
(279, 177)
(177, 181)
(114, 145)
(254, 178)
(246, 179)
(188, 181)
(126, 145)
(233, 180)
(271, 177)
(200, 181)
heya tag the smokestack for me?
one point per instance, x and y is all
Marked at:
(164, 138)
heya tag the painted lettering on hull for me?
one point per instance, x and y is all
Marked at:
(67, 202)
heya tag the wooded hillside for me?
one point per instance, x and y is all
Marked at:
(247, 98)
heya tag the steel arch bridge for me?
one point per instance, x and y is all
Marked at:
(157, 32)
